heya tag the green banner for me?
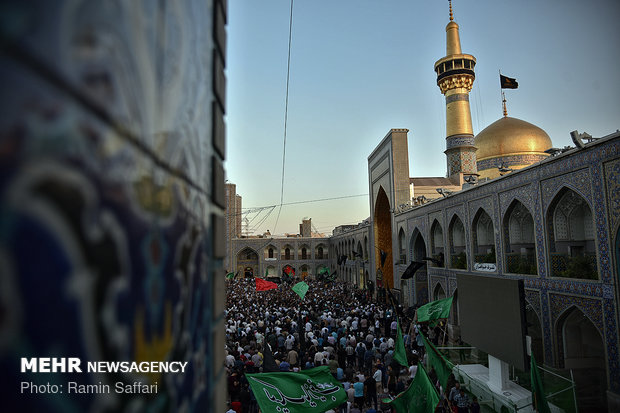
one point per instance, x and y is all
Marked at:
(539, 400)
(230, 275)
(420, 397)
(301, 288)
(314, 390)
(442, 367)
(400, 354)
(435, 310)
(323, 270)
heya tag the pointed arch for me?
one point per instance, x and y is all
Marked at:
(456, 240)
(483, 234)
(570, 230)
(287, 252)
(437, 244)
(247, 262)
(304, 252)
(519, 239)
(417, 246)
(439, 292)
(270, 251)
(581, 347)
(383, 238)
(304, 271)
(402, 247)
(320, 253)
(271, 271)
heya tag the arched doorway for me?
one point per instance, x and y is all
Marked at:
(383, 239)
(581, 349)
(247, 262)
(417, 251)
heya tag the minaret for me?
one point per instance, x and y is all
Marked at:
(455, 77)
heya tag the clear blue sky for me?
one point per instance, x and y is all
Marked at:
(362, 67)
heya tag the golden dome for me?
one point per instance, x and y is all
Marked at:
(511, 136)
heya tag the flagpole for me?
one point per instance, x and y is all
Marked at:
(501, 92)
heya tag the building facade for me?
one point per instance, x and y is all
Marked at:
(233, 216)
(268, 257)
(554, 225)
(352, 242)
(551, 221)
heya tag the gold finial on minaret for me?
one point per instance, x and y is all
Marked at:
(451, 16)
(504, 104)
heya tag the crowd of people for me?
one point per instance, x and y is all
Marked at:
(335, 326)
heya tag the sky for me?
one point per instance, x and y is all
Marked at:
(359, 68)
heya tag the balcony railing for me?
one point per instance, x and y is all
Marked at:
(458, 261)
(578, 266)
(521, 264)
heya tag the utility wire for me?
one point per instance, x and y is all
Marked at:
(288, 77)
(260, 209)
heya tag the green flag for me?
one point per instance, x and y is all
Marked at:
(420, 397)
(313, 390)
(301, 288)
(442, 367)
(539, 401)
(230, 275)
(400, 355)
(435, 310)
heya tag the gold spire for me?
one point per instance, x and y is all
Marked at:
(451, 16)
(504, 104)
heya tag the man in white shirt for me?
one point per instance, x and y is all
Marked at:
(377, 375)
(318, 358)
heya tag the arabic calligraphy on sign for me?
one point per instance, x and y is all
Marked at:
(485, 266)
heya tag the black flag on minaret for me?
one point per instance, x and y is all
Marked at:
(508, 82)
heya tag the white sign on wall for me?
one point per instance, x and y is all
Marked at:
(485, 266)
